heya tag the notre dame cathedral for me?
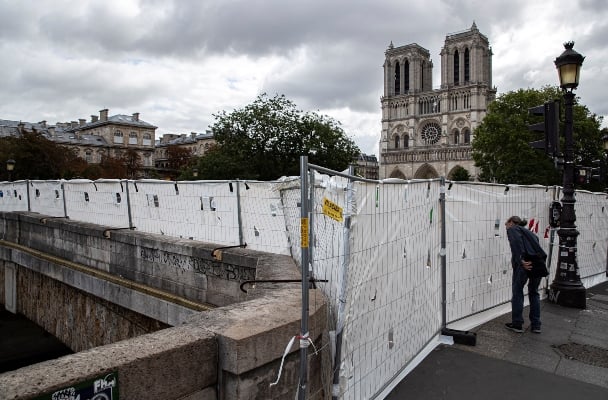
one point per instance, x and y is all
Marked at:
(427, 133)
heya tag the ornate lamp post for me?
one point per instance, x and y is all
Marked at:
(10, 166)
(567, 288)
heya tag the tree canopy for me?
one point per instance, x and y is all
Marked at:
(265, 139)
(501, 148)
(39, 158)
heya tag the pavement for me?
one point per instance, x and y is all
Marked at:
(568, 360)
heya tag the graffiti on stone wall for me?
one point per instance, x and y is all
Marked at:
(199, 265)
(101, 388)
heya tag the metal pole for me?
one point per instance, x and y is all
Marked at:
(304, 239)
(65, 206)
(335, 391)
(442, 253)
(27, 191)
(238, 211)
(567, 288)
(129, 207)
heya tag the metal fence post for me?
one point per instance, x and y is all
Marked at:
(304, 239)
(65, 206)
(335, 391)
(238, 211)
(129, 206)
(27, 190)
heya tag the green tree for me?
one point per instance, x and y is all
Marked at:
(265, 140)
(460, 174)
(36, 157)
(501, 146)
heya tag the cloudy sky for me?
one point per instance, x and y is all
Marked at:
(178, 62)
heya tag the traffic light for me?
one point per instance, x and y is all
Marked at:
(596, 171)
(550, 127)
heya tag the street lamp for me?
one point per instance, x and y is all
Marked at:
(567, 288)
(10, 166)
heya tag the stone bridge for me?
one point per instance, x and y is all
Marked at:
(155, 317)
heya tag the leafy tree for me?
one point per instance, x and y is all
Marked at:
(501, 146)
(179, 157)
(132, 162)
(460, 174)
(112, 167)
(36, 157)
(265, 140)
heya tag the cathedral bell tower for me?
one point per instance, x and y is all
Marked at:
(427, 133)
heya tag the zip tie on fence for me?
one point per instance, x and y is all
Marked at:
(305, 341)
(287, 349)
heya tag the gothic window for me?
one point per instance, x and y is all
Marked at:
(406, 141)
(118, 138)
(431, 133)
(406, 77)
(396, 141)
(456, 68)
(467, 136)
(467, 73)
(397, 78)
(422, 75)
(456, 136)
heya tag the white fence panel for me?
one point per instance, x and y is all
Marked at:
(393, 304)
(46, 197)
(13, 196)
(101, 202)
(262, 219)
(205, 211)
(592, 242)
(478, 252)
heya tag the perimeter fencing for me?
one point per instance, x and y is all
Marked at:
(391, 285)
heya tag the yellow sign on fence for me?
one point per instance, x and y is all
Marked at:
(332, 210)
(304, 232)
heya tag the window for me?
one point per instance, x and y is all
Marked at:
(467, 136)
(467, 74)
(456, 68)
(397, 78)
(133, 138)
(88, 156)
(118, 138)
(147, 139)
(431, 133)
(406, 77)
(456, 136)
(406, 141)
(396, 141)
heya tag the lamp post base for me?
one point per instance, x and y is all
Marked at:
(568, 295)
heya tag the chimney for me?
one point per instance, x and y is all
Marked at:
(81, 121)
(103, 114)
(73, 124)
(192, 135)
(94, 118)
(135, 116)
(43, 123)
(52, 131)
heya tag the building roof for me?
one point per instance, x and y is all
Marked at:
(172, 139)
(119, 119)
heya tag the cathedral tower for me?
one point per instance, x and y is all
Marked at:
(427, 133)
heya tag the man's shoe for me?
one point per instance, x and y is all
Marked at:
(514, 328)
(535, 330)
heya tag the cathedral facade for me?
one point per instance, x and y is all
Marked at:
(427, 133)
